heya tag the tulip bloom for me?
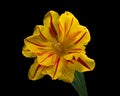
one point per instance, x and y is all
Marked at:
(58, 47)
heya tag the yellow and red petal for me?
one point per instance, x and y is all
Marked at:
(48, 34)
(62, 70)
(83, 37)
(35, 44)
(72, 33)
(55, 70)
(51, 21)
(37, 29)
(46, 58)
(68, 25)
(72, 53)
(84, 63)
(35, 71)
(27, 53)
(68, 71)
(78, 40)
(71, 56)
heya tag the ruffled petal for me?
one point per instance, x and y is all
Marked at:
(55, 70)
(51, 21)
(82, 38)
(68, 71)
(62, 70)
(45, 31)
(68, 25)
(27, 53)
(84, 63)
(37, 29)
(36, 44)
(35, 71)
(74, 52)
(72, 33)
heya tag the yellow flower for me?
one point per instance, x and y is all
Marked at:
(58, 47)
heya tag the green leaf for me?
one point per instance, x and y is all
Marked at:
(79, 84)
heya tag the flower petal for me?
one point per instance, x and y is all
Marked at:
(44, 33)
(37, 29)
(78, 41)
(47, 33)
(71, 56)
(62, 70)
(35, 71)
(68, 71)
(51, 20)
(27, 53)
(72, 53)
(83, 37)
(46, 58)
(36, 44)
(55, 70)
(67, 24)
(84, 63)
(72, 33)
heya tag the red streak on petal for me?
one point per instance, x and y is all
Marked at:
(52, 28)
(52, 33)
(39, 54)
(47, 57)
(56, 63)
(42, 36)
(76, 34)
(83, 63)
(60, 28)
(72, 52)
(36, 71)
(65, 26)
(36, 44)
(76, 49)
(42, 48)
(70, 61)
(70, 27)
(80, 38)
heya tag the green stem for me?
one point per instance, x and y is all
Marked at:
(79, 84)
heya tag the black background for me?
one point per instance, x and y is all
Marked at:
(24, 18)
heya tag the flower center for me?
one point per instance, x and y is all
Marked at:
(58, 47)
